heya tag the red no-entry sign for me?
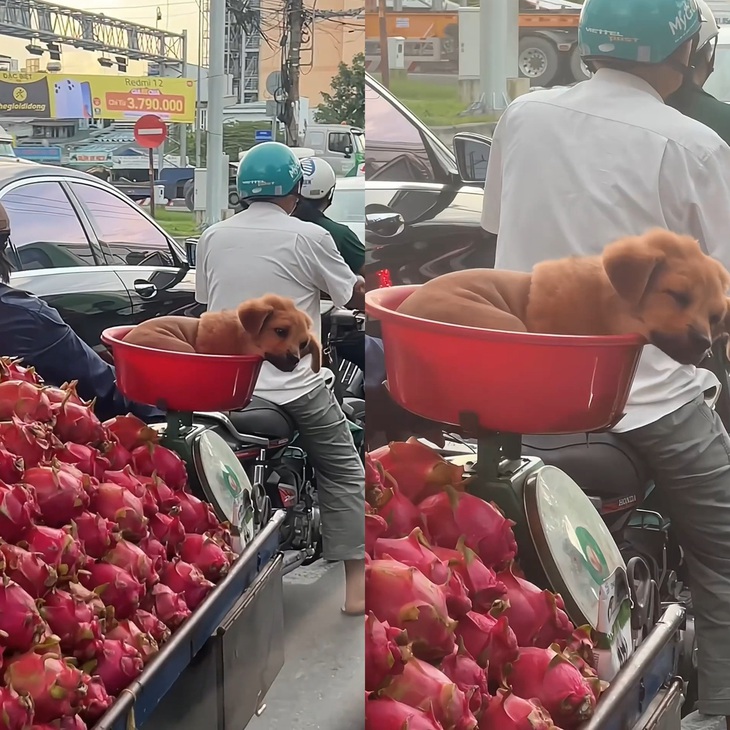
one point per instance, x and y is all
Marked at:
(150, 131)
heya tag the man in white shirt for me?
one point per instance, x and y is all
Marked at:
(571, 170)
(263, 250)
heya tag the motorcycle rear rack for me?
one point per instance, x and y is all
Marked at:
(226, 422)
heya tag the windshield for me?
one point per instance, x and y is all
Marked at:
(359, 142)
(348, 206)
(719, 82)
(6, 149)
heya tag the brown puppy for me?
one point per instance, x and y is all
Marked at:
(659, 285)
(271, 326)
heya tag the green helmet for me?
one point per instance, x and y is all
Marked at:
(268, 170)
(643, 31)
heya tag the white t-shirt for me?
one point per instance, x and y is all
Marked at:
(263, 251)
(572, 170)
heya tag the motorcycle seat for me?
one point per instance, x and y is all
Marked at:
(602, 464)
(263, 418)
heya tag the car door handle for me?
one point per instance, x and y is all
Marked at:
(145, 289)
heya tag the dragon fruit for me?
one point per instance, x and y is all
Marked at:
(54, 685)
(469, 677)
(150, 624)
(151, 458)
(117, 664)
(121, 506)
(386, 652)
(579, 649)
(506, 711)
(168, 606)
(134, 560)
(383, 713)
(537, 617)
(400, 514)
(130, 431)
(77, 422)
(168, 530)
(59, 495)
(129, 633)
(418, 470)
(85, 458)
(375, 527)
(73, 621)
(489, 640)
(66, 392)
(30, 441)
(97, 533)
(415, 551)
(11, 467)
(17, 512)
(11, 369)
(405, 598)
(96, 700)
(117, 456)
(57, 547)
(548, 676)
(480, 581)
(115, 586)
(28, 570)
(207, 555)
(165, 497)
(196, 515)
(457, 596)
(68, 723)
(26, 401)
(21, 626)
(451, 515)
(91, 599)
(425, 687)
(126, 478)
(378, 484)
(188, 580)
(155, 551)
(16, 711)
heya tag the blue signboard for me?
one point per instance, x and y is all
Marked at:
(263, 135)
(49, 155)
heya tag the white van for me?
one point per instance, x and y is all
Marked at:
(6, 144)
(341, 145)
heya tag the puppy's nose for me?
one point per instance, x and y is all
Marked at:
(699, 340)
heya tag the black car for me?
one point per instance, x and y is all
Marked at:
(424, 202)
(89, 251)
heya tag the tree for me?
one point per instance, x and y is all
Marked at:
(237, 137)
(346, 103)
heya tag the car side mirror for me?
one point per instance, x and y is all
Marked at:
(472, 157)
(348, 150)
(191, 246)
(385, 225)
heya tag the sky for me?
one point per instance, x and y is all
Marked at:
(176, 16)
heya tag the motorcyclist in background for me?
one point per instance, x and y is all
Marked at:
(318, 189)
(691, 99)
(34, 331)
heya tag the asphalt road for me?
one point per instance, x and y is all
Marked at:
(321, 686)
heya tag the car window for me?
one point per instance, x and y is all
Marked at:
(128, 235)
(339, 142)
(45, 230)
(348, 206)
(395, 149)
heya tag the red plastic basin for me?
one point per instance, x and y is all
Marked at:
(179, 381)
(513, 382)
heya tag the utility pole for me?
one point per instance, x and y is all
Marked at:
(384, 60)
(296, 22)
(184, 127)
(499, 32)
(214, 127)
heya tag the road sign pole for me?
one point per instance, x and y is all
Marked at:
(152, 181)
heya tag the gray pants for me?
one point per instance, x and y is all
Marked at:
(688, 452)
(326, 438)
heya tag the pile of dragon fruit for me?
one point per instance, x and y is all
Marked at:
(455, 637)
(103, 553)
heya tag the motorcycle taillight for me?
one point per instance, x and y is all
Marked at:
(384, 279)
(288, 495)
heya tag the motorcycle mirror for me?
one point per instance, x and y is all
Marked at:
(191, 245)
(385, 225)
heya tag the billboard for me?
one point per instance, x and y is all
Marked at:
(77, 96)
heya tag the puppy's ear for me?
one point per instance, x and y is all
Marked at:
(314, 349)
(253, 314)
(629, 265)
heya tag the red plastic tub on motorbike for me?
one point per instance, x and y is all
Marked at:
(514, 382)
(180, 381)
